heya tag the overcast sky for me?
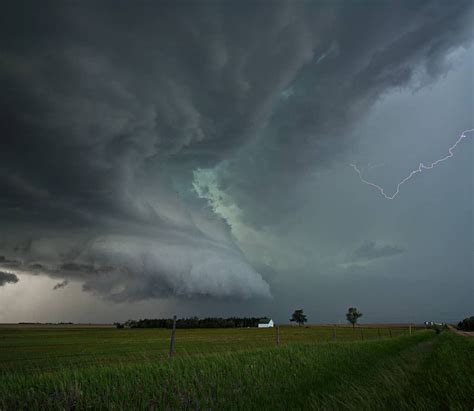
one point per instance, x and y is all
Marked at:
(193, 158)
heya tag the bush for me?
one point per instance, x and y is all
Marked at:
(467, 324)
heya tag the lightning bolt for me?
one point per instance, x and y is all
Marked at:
(420, 168)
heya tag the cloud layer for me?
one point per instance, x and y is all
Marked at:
(153, 150)
(370, 250)
(6, 278)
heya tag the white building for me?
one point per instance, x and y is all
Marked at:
(265, 323)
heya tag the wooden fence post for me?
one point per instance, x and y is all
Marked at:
(334, 333)
(409, 328)
(390, 332)
(277, 335)
(173, 333)
(361, 335)
(378, 332)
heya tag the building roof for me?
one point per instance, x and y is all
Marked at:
(264, 320)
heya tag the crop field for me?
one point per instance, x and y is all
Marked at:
(365, 368)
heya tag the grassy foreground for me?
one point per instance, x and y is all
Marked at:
(423, 371)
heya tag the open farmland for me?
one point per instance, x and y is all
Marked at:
(52, 347)
(235, 368)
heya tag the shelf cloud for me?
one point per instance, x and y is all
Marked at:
(162, 149)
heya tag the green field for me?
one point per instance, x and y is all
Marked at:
(94, 368)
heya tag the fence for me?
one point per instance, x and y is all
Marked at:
(248, 338)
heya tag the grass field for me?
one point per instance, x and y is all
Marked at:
(235, 368)
(52, 348)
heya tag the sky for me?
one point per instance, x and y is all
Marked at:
(194, 158)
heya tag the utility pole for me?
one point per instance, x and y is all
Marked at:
(173, 333)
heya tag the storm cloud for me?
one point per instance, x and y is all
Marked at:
(6, 278)
(156, 150)
(60, 285)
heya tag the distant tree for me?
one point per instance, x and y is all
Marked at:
(467, 324)
(298, 317)
(130, 324)
(353, 315)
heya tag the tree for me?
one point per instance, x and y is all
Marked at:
(467, 324)
(298, 317)
(353, 315)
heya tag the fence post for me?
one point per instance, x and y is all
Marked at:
(334, 333)
(390, 332)
(173, 333)
(409, 328)
(378, 332)
(361, 335)
(277, 335)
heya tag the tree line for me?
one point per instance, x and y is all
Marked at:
(298, 317)
(193, 322)
(467, 324)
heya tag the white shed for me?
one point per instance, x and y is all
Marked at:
(265, 323)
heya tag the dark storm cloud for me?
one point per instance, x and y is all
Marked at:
(107, 108)
(5, 262)
(370, 250)
(395, 46)
(60, 285)
(7, 278)
(82, 268)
